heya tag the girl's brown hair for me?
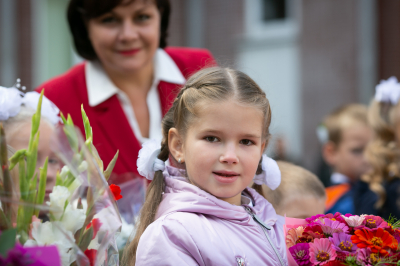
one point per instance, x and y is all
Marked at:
(382, 153)
(210, 84)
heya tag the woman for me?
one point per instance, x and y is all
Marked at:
(129, 80)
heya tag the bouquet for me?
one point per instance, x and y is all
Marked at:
(79, 218)
(336, 239)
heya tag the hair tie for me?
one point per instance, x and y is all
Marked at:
(388, 91)
(271, 175)
(147, 162)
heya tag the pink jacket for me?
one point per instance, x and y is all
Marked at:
(193, 227)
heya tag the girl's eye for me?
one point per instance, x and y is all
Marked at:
(246, 142)
(53, 161)
(211, 139)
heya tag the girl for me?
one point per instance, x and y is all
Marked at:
(16, 111)
(201, 212)
(379, 191)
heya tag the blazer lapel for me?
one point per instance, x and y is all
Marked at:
(167, 92)
(112, 121)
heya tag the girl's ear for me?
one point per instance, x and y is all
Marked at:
(175, 144)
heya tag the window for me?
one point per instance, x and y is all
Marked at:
(273, 10)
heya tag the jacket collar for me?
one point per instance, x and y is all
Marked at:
(100, 87)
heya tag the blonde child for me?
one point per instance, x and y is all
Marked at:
(348, 134)
(379, 193)
(300, 195)
(205, 214)
(16, 111)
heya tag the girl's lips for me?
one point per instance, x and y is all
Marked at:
(129, 52)
(225, 177)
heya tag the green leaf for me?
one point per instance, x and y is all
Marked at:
(59, 180)
(86, 124)
(42, 186)
(86, 239)
(110, 167)
(5, 223)
(16, 158)
(31, 158)
(63, 118)
(7, 241)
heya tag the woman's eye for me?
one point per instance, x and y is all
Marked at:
(246, 142)
(108, 20)
(142, 17)
(211, 139)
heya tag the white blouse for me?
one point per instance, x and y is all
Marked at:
(100, 88)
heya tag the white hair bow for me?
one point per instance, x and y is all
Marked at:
(49, 109)
(147, 162)
(11, 100)
(388, 91)
(271, 175)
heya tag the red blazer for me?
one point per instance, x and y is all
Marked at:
(111, 129)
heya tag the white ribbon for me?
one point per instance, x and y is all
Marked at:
(388, 91)
(147, 162)
(271, 175)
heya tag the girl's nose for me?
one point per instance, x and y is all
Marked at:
(229, 155)
(128, 31)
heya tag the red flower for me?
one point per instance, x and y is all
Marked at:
(96, 226)
(378, 240)
(116, 190)
(91, 254)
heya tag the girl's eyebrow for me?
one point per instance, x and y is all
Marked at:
(213, 131)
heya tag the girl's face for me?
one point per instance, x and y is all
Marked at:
(222, 148)
(20, 140)
(126, 39)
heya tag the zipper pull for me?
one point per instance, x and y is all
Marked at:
(255, 217)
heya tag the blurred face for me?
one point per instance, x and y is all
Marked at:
(126, 38)
(303, 207)
(20, 140)
(348, 157)
(222, 148)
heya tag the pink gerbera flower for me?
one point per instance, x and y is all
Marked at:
(372, 222)
(322, 251)
(293, 235)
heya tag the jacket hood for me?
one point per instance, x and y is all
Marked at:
(181, 196)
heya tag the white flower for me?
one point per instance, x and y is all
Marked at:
(355, 220)
(53, 233)
(94, 244)
(147, 162)
(82, 167)
(10, 102)
(64, 172)
(127, 233)
(388, 91)
(58, 198)
(73, 219)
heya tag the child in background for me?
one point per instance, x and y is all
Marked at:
(16, 111)
(348, 135)
(205, 214)
(300, 195)
(379, 191)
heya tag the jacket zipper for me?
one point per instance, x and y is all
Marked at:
(263, 227)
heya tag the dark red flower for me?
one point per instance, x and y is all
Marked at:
(91, 254)
(116, 190)
(96, 226)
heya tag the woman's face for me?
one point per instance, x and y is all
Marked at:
(126, 39)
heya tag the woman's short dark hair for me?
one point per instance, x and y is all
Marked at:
(80, 11)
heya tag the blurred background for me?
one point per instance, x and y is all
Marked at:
(309, 56)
